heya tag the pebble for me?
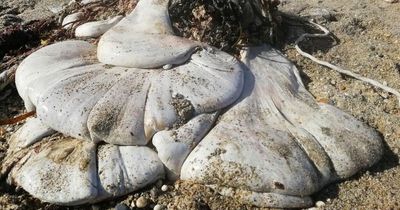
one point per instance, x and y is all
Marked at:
(319, 204)
(133, 205)
(159, 207)
(141, 202)
(164, 188)
(121, 206)
(392, 1)
(167, 66)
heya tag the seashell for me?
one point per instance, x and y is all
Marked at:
(96, 28)
(277, 141)
(65, 171)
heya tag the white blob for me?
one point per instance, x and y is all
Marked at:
(60, 172)
(173, 146)
(124, 106)
(277, 140)
(96, 28)
(32, 131)
(144, 39)
(69, 20)
(124, 169)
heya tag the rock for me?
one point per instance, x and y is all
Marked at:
(164, 188)
(159, 207)
(141, 202)
(319, 204)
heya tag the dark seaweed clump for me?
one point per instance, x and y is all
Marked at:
(225, 24)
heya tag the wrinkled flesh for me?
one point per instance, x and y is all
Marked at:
(273, 146)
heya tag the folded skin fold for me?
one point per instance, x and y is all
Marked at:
(284, 144)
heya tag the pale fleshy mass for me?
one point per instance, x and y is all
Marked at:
(144, 104)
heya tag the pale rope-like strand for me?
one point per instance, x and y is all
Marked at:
(336, 68)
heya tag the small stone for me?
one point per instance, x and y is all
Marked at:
(167, 66)
(154, 192)
(121, 206)
(133, 205)
(164, 188)
(319, 204)
(391, 1)
(384, 95)
(141, 202)
(159, 207)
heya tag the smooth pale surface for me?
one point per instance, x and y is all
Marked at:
(124, 169)
(32, 131)
(96, 28)
(61, 172)
(47, 61)
(144, 39)
(118, 105)
(277, 139)
(68, 21)
(173, 146)
(66, 172)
